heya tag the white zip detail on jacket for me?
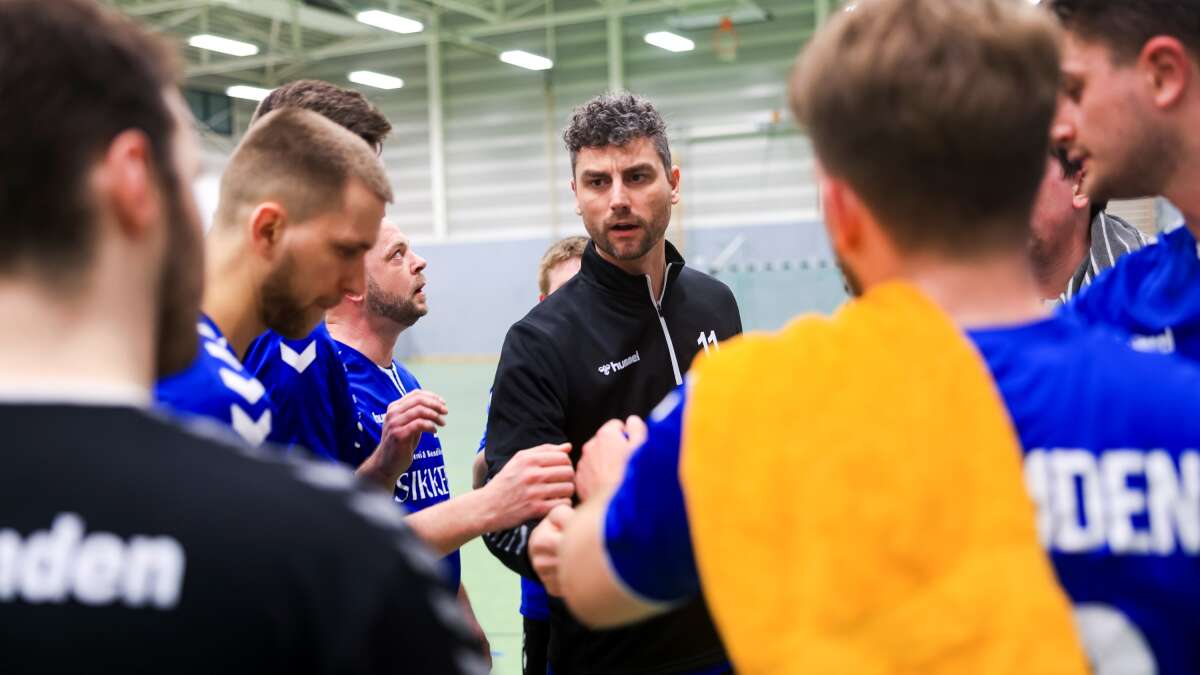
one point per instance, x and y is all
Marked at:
(662, 321)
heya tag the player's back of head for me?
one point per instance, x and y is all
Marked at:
(73, 77)
(561, 251)
(302, 160)
(936, 113)
(346, 107)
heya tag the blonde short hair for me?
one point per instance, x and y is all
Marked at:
(558, 253)
(301, 159)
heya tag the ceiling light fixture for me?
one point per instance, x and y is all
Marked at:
(216, 43)
(377, 80)
(524, 59)
(389, 21)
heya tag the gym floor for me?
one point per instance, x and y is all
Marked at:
(494, 590)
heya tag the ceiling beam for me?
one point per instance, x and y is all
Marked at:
(360, 46)
(467, 8)
(308, 18)
(161, 7)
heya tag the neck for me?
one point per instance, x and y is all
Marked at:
(74, 344)
(229, 295)
(653, 265)
(999, 290)
(1183, 190)
(1054, 272)
(373, 336)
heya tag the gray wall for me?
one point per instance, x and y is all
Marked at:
(476, 290)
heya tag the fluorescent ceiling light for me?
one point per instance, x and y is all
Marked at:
(377, 80)
(524, 59)
(247, 92)
(670, 41)
(216, 43)
(389, 21)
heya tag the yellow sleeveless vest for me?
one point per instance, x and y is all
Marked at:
(857, 505)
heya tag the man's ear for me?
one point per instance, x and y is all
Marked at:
(126, 180)
(574, 191)
(673, 179)
(843, 219)
(266, 224)
(1168, 70)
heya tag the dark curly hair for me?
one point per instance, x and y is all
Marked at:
(616, 119)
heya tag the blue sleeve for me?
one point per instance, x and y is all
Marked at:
(483, 439)
(647, 514)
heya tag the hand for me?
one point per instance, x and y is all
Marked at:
(543, 547)
(532, 483)
(406, 419)
(602, 465)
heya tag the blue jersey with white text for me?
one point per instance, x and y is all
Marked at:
(308, 385)
(1152, 295)
(217, 386)
(375, 388)
(1111, 440)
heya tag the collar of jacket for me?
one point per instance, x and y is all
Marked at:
(612, 278)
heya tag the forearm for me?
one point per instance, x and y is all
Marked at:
(445, 527)
(590, 588)
(372, 472)
(509, 546)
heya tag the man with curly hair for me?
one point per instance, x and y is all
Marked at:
(610, 343)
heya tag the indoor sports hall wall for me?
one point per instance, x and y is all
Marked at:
(505, 169)
(749, 210)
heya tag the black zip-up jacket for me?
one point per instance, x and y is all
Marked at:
(603, 347)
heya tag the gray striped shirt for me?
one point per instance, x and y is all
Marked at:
(1111, 239)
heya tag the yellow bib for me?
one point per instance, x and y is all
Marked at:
(857, 505)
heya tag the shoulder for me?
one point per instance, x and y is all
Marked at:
(351, 546)
(703, 283)
(1092, 370)
(273, 356)
(759, 356)
(1145, 379)
(1117, 290)
(558, 312)
(317, 506)
(214, 378)
(547, 326)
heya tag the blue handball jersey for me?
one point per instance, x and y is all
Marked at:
(217, 386)
(374, 389)
(1151, 295)
(307, 383)
(1110, 438)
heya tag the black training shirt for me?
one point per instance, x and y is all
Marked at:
(129, 545)
(599, 348)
